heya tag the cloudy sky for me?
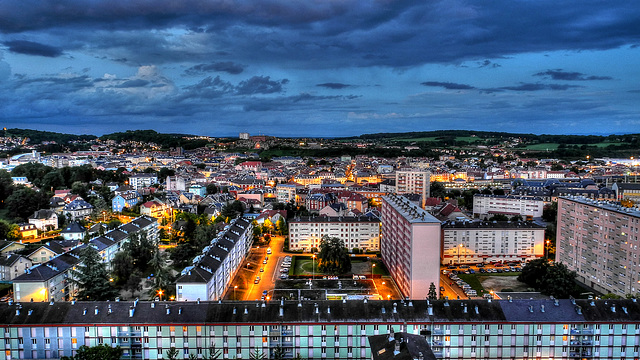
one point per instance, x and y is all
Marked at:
(320, 67)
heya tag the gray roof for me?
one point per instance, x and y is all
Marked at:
(74, 228)
(626, 311)
(49, 269)
(43, 214)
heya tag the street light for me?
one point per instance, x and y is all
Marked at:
(313, 267)
(547, 249)
(372, 266)
(459, 248)
(234, 292)
(160, 292)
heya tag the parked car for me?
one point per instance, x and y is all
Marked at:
(264, 261)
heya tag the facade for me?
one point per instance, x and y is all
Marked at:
(139, 181)
(77, 209)
(356, 232)
(155, 208)
(175, 183)
(410, 246)
(599, 241)
(467, 242)
(286, 192)
(73, 231)
(124, 200)
(44, 220)
(213, 270)
(528, 207)
(470, 329)
(627, 191)
(413, 182)
(51, 280)
(13, 265)
(28, 230)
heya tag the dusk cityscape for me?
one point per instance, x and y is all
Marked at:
(334, 179)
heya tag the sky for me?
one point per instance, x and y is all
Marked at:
(320, 68)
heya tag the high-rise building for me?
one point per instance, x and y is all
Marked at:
(410, 246)
(599, 241)
(414, 182)
(528, 207)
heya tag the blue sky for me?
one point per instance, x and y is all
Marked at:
(320, 67)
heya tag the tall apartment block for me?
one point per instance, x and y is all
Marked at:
(599, 241)
(471, 242)
(414, 182)
(459, 329)
(359, 232)
(528, 207)
(410, 246)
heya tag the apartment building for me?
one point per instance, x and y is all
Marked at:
(410, 246)
(360, 232)
(142, 180)
(458, 329)
(599, 241)
(528, 207)
(51, 280)
(472, 242)
(212, 271)
(414, 182)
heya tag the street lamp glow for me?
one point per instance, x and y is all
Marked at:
(160, 292)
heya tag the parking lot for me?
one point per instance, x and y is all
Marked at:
(453, 278)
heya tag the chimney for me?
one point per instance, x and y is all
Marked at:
(95, 311)
(541, 308)
(153, 305)
(395, 308)
(179, 310)
(396, 348)
(17, 311)
(430, 310)
(281, 311)
(316, 308)
(109, 309)
(246, 311)
(131, 311)
(84, 311)
(168, 310)
(328, 309)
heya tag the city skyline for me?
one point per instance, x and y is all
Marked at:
(326, 69)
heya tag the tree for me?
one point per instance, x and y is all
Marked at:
(212, 189)
(432, 295)
(172, 353)
(213, 353)
(92, 278)
(134, 282)
(334, 256)
(24, 201)
(278, 353)
(257, 355)
(282, 227)
(122, 266)
(161, 273)
(9, 231)
(6, 185)
(99, 352)
(533, 271)
(140, 248)
(559, 281)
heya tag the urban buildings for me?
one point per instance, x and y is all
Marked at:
(410, 246)
(413, 182)
(359, 232)
(213, 270)
(459, 329)
(485, 206)
(142, 180)
(472, 242)
(599, 241)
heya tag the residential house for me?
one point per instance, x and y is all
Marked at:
(28, 231)
(13, 265)
(73, 231)
(77, 209)
(125, 200)
(46, 252)
(9, 247)
(44, 220)
(155, 208)
(142, 180)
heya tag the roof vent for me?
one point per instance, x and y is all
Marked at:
(625, 310)
(541, 308)
(50, 302)
(579, 309)
(477, 310)
(84, 311)
(509, 298)
(17, 311)
(316, 308)
(613, 308)
(246, 311)
(95, 311)
(153, 305)
(31, 311)
(556, 302)
(530, 308)
(179, 310)
(135, 302)
(168, 310)
(299, 304)
(198, 301)
(430, 310)
(281, 312)
(234, 311)
(395, 308)
(465, 308)
(328, 309)
(73, 302)
(384, 311)
(410, 303)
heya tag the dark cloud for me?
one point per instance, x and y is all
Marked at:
(558, 74)
(535, 87)
(448, 85)
(221, 66)
(329, 34)
(488, 63)
(286, 103)
(32, 48)
(208, 88)
(336, 86)
(133, 83)
(260, 85)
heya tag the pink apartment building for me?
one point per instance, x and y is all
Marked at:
(599, 241)
(410, 246)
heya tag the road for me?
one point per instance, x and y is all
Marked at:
(244, 280)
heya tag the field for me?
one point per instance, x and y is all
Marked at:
(469, 139)
(554, 146)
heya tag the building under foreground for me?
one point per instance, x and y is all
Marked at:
(460, 329)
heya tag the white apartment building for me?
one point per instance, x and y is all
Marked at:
(599, 241)
(485, 206)
(139, 181)
(285, 192)
(410, 246)
(356, 232)
(213, 270)
(413, 182)
(472, 242)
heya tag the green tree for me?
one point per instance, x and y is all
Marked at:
(172, 353)
(92, 278)
(213, 353)
(9, 231)
(212, 189)
(257, 355)
(140, 248)
(53, 180)
(281, 227)
(99, 352)
(6, 185)
(134, 283)
(161, 279)
(122, 266)
(278, 353)
(558, 282)
(23, 202)
(533, 272)
(432, 295)
(333, 257)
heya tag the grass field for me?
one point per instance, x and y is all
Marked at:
(554, 146)
(469, 139)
